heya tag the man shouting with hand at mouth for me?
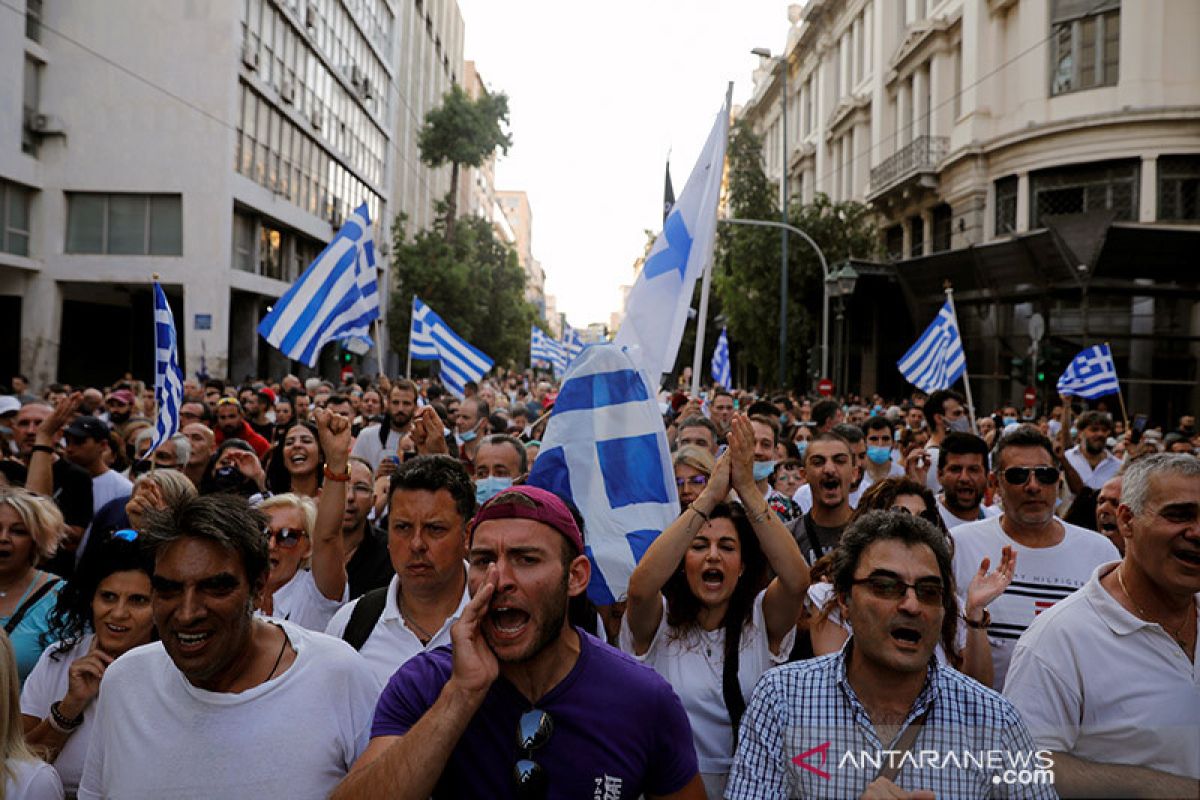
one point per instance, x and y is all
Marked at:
(526, 705)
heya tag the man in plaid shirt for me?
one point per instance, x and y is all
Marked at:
(882, 718)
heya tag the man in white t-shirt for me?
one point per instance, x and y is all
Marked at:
(1054, 558)
(87, 444)
(382, 440)
(1091, 457)
(1107, 678)
(945, 411)
(962, 472)
(224, 705)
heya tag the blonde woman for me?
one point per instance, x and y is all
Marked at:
(31, 526)
(24, 775)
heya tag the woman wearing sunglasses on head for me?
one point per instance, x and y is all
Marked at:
(307, 579)
(700, 609)
(968, 649)
(101, 614)
(693, 465)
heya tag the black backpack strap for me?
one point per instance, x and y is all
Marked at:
(731, 687)
(29, 603)
(366, 613)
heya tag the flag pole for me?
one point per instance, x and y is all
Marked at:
(379, 344)
(965, 377)
(412, 316)
(1120, 394)
(702, 320)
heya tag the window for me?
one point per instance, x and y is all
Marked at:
(1075, 190)
(125, 224)
(894, 242)
(958, 84)
(1085, 43)
(243, 242)
(270, 252)
(916, 234)
(33, 20)
(14, 214)
(1178, 188)
(30, 104)
(1006, 205)
(943, 219)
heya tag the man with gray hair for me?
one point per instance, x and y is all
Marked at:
(1107, 678)
(171, 454)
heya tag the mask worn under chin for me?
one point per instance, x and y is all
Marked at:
(763, 470)
(463, 438)
(1010, 421)
(802, 448)
(960, 425)
(487, 488)
(879, 455)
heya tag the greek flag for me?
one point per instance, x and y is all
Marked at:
(168, 377)
(1090, 374)
(337, 297)
(936, 360)
(658, 303)
(431, 339)
(547, 350)
(605, 450)
(572, 343)
(720, 361)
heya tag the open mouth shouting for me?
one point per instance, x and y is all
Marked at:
(712, 579)
(508, 622)
(191, 643)
(906, 638)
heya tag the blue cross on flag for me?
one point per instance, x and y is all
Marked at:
(1090, 375)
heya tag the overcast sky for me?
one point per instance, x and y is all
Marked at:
(599, 92)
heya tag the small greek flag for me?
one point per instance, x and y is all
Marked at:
(572, 343)
(336, 298)
(720, 361)
(605, 450)
(936, 361)
(546, 350)
(1090, 375)
(431, 339)
(168, 377)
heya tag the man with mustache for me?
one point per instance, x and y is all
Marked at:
(526, 704)
(379, 445)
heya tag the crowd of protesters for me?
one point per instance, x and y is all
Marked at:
(172, 618)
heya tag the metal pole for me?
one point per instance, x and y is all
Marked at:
(783, 261)
(965, 378)
(763, 223)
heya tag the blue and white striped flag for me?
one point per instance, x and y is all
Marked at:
(431, 339)
(936, 360)
(547, 350)
(720, 361)
(1090, 375)
(168, 377)
(572, 343)
(605, 450)
(336, 298)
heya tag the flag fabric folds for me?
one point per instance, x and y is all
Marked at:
(668, 194)
(431, 339)
(657, 308)
(1090, 375)
(547, 350)
(168, 377)
(605, 450)
(336, 298)
(936, 361)
(572, 343)
(720, 361)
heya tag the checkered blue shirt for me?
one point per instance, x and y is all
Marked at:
(809, 709)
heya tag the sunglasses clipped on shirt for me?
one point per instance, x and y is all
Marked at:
(286, 538)
(533, 731)
(1019, 476)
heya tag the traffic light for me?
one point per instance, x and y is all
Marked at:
(347, 356)
(1041, 376)
(1017, 369)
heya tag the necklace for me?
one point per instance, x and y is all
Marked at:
(279, 658)
(1142, 612)
(421, 633)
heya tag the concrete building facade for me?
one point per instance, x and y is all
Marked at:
(516, 209)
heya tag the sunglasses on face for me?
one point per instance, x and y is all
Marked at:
(695, 480)
(886, 587)
(1019, 476)
(534, 729)
(286, 538)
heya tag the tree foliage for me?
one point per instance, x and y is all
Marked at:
(747, 281)
(463, 132)
(471, 279)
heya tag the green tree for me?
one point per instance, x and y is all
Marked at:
(747, 281)
(472, 280)
(463, 132)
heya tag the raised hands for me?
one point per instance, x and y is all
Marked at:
(987, 586)
(741, 451)
(50, 431)
(333, 430)
(83, 681)
(427, 432)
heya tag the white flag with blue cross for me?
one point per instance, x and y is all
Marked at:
(1090, 375)
(168, 377)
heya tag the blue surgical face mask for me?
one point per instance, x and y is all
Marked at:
(763, 470)
(1010, 421)
(960, 425)
(879, 455)
(469, 436)
(802, 448)
(487, 488)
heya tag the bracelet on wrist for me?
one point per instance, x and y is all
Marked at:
(340, 477)
(42, 448)
(702, 515)
(983, 622)
(61, 723)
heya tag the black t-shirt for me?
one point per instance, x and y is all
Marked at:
(371, 565)
(804, 530)
(265, 430)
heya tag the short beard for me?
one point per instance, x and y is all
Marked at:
(551, 631)
(953, 504)
(401, 419)
(1092, 449)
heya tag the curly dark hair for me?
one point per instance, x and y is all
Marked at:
(71, 618)
(279, 480)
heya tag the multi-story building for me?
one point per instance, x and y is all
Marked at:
(515, 206)
(215, 145)
(1043, 155)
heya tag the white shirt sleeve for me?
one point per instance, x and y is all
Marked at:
(1051, 709)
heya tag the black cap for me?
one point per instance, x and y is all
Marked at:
(88, 428)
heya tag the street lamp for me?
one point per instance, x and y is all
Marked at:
(763, 52)
(840, 284)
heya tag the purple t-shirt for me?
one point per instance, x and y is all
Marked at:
(619, 729)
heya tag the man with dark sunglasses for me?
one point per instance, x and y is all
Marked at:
(1054, 558)
(527, 705)
(878, 718)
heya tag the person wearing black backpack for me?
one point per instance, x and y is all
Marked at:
(700, 609)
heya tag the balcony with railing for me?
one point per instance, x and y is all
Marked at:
(916, 163)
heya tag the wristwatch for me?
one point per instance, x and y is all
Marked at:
(981, 624)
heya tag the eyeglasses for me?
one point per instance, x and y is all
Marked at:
(286, 538)
(695, 480)
(533, 731)
(887, 587)
(1019, 476)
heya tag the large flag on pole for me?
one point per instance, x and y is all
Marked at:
(336, 298)
(720, 361)
(605, 450)
(547, 350)
(431, 339)
(657, 308)
(936, 360)
(168, 377)
(1090, 375)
